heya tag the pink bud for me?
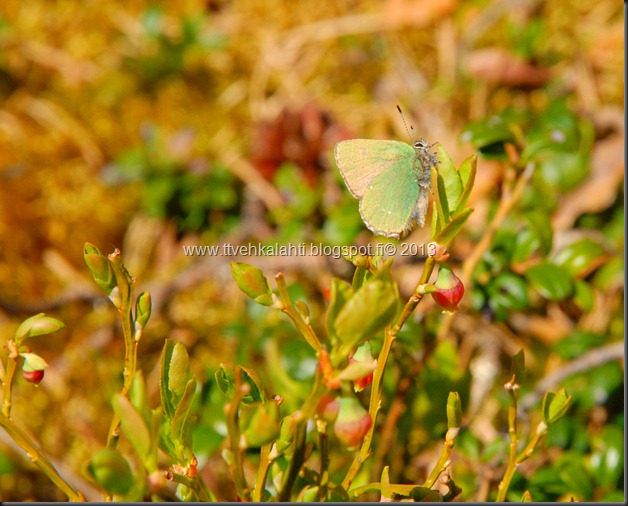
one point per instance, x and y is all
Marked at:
(353, 422)
(327, 408)
(449, 289)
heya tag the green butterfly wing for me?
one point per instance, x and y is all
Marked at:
(389, 205)
(362, 160)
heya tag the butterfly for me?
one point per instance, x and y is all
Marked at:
(392, 181)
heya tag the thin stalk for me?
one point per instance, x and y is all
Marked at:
(39, 459)
(323, 481)
(130, 359)
(8, 379)
(376, 388)
(512, 458)
(237, 470)
(443, 459)
(197, 486)
(288, 308)
(264, 465)
(298, 459)
(529, 449)
(306, 412)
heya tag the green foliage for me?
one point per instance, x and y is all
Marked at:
(161, 110)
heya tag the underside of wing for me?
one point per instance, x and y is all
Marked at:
(362, 160)
(389, 202)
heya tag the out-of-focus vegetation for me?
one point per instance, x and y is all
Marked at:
(153, 125)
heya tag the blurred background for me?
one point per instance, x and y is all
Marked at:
(148, 126)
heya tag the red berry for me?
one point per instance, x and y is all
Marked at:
(33, 376)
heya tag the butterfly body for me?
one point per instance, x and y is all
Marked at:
(392, 181)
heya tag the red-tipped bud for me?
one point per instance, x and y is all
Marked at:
(449, 289)
(353, 422)
(327, 408)
(33, 376)
(363, 355)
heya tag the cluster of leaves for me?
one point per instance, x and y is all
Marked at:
(556, 144)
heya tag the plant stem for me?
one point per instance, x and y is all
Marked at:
(443, 460)
(512, 458)
(130, 357)
(264, 465)
(306, 412)
(376, 388)
(323, 481)
(8, 379)
(288, 308)
(38, 458)
(507, 203)
(197, 486)
(231, 410)
(298, 459)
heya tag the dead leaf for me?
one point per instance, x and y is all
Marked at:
(498, 66)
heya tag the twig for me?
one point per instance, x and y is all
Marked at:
(591, 359)
(376, 388)
(507, 203)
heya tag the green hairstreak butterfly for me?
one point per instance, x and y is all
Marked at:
(391, 180)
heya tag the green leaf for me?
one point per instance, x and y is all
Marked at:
(142, 309)
(467, 171)
(37, 325)
(111, 471)
(579, 257)
(100, 267)
(180, 417)
(452, 228)
(33, 362)
(179, 372)
(226, 379)
(525, 245)
(505, 292)
(139, 396)
(371, 308)
(541, 227)
(259, 423)
(287, 433)
(555, 406)
(449, 183)
(164, 380)
(360, 276)
(133, 425)
(584, 297)
(252, 282)
(340, 293)
(550, 280)
(454, 411)
(425, 494)
(489, 135)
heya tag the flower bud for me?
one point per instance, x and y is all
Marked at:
(33, 376)
(327, 408)
(363, 355)
(449, 290)
(353, 422)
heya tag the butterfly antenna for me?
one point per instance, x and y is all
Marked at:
(408, 130)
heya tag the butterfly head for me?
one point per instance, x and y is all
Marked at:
(421, 144)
